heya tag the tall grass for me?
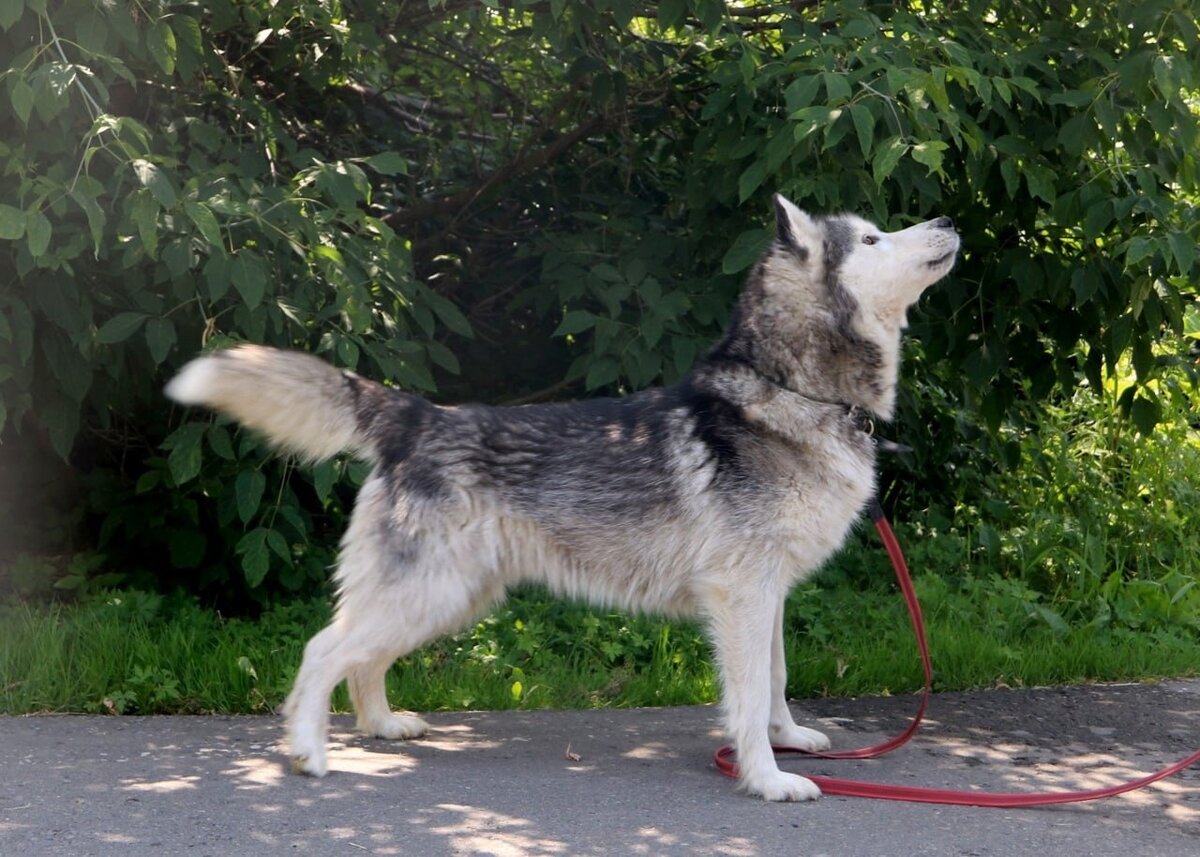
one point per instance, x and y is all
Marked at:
(133, 653)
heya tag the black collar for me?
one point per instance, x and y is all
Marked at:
(859, 417)
(863, 421)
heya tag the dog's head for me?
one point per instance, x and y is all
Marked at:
(885, 272)
(824, 307)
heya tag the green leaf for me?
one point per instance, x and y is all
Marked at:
(443, 356)
(95, 214)
(324, 475)
(751, 178)
(929, 154)
(277, 543)
(144, 213)
(216, 276)
(745, 251)
(1183, 249)
(652, 329)
(60, 416)
(155, 180)
(201, 215)
(248, 490)
(255, 559)
(1012, 178)
(1040, 181)
(450, 315)
(388, 163)
(177, 256)
(575, 321)
(608, 273)
(1072, 98)
(1146, 413)
(801, 92)
(120, 327)
(779, 149)
(671, 13)
(1143, 358)
(1139, 248)
(864, 126)
(220, 442)
(837, 88)
(91, 31)
(887, 157)
(1165, 77)
(160, 338)
(602, 372)
(186, 455)
(148, 481)
(12, 223)
(37, 232)
(22, 97)
(161, 41)
(747, 65)
(1053, 619)
(10, 12)
(249, 278)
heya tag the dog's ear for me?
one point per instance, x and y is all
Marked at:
(794, 229)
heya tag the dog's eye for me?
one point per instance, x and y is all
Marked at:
(869, 239)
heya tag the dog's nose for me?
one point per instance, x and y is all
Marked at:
(944, 223)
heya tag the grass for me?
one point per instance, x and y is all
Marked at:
(137, 653)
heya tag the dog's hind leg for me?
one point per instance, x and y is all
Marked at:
(741, 620)
(368, 691)
(783, 729)
(307, 706)
(370, 630)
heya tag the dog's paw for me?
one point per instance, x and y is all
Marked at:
(305, 745)
(310, 764)
(396, 726)
(780, 785)
(800, 738)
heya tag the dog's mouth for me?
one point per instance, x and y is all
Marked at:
(943, 259)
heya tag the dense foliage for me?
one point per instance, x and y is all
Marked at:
(517, 200)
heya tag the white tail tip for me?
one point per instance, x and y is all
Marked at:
(194, 384)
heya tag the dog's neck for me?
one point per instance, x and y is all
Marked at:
(835, 374)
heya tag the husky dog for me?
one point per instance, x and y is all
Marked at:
(708, 498)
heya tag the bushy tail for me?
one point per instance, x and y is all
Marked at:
(300, 402)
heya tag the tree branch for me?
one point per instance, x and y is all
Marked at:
(525, 162)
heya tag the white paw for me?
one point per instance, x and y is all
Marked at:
(791, 735)
(396, 726)
(306, 747)
(310, 764)
(780, 785)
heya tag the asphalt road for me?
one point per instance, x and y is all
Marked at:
(628, 782)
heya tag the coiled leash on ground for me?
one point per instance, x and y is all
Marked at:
(831, 785)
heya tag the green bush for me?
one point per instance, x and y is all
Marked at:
(514, 200)
(165, 202)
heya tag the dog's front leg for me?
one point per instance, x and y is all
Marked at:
(783, 730)
(741, 622)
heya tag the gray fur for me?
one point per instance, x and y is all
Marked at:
(710, 497)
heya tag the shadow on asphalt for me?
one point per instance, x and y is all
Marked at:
(604, 782)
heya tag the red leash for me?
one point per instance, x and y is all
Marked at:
(854, 788)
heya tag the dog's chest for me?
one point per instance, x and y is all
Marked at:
(821, 495)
